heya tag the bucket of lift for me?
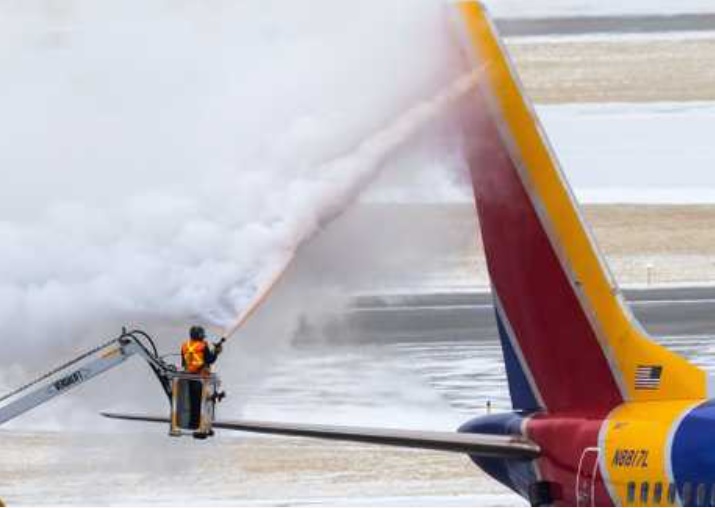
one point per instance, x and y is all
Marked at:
(193, 404)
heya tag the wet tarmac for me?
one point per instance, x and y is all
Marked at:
(435, 379)
(469, 315)
(584, 25)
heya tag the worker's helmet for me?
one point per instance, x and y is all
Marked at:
(197, 333)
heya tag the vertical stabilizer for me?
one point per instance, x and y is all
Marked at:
(569, 340)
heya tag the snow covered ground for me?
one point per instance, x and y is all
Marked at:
(636, 153)
(655, 153)
(151, 469)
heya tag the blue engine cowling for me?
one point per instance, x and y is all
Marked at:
(517, 474)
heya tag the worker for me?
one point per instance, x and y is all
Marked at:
(196, 355)
(197, 358)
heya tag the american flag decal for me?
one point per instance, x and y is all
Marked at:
(648, 377)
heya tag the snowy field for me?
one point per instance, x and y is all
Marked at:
(150, 469)
(641, 153)
(636, 153)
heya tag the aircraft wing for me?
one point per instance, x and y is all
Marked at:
(484, 445)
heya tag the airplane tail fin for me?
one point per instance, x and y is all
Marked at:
(569, 340)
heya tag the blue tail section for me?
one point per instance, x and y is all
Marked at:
(522, 391)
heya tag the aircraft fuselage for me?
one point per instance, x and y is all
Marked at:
(639, 454)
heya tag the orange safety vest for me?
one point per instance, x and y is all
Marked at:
(194, 354)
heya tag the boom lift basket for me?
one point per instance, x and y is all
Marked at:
(193, 403)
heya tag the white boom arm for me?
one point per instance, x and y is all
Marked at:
(80, 370)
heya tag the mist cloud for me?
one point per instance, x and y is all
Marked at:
(161, 159)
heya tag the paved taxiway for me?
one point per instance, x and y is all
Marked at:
(449, 341)
(664, 312)
(583, 25)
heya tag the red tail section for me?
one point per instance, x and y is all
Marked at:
(541, 316)
(569, 341)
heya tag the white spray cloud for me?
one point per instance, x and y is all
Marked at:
(161, 159)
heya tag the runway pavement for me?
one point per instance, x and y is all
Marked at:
(448, 340)
(584, 25)
(433, 316)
